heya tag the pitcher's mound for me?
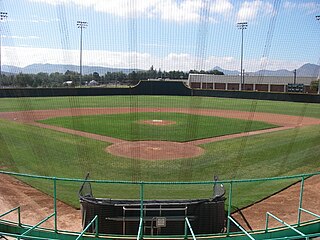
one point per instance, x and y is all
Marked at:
(155, 150)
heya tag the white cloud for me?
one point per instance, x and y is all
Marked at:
(36, 19)
(23, 56)
(289, 5)
(309, 7)
(221, 6)
(186, 11)
(171, 10)
(21, 37)
(251, 10)
(122, 8)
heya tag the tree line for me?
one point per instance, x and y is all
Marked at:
(72, 79)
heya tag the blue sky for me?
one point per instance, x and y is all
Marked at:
(168, 34)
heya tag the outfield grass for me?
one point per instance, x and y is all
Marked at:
(289, 108)
(128, 126)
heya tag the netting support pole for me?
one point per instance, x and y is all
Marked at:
(141, 209)
(55, 204)
(19, 216)
(229, 209)
(300, 200)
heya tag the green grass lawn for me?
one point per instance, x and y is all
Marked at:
(187, 127)
(252, 105)
(29, 149)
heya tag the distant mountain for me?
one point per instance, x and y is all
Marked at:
(51, 68)
(10, 69)
(226, 72)
(306, 70)
(281, 72)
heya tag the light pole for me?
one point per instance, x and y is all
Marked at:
(242, 26)
(318, 18)
(3, 16)
(81, 25)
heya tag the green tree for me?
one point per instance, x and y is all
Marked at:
(133, 78)
(41, 80)
(7, 80)
(23, 80)
(56, 79)
(96, 76)
(152, 73)
(314, 85)
(215, 72)
(72, 76)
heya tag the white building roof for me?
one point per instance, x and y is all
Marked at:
(208, 78)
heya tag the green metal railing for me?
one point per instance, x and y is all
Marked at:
(13, 235)
(94, 220)
(241, 228)
(140, 230)
(35, 226)
(284, 223)
(55, 204)
(141, 210)
(308, 236)
(229, 209)
(24, 234)
(230, 184)
(187, 224)
(12, 210)
(309, 212)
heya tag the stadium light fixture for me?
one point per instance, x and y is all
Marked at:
(3, 16)
(81, 25)
(242, 26)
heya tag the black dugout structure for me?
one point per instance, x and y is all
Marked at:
(160, 217)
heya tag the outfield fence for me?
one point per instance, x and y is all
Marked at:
(160, 88)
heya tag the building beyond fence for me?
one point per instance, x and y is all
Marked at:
(251, 83)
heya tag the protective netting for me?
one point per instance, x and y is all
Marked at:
(166, 90)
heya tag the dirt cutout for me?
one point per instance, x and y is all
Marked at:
(35, 205)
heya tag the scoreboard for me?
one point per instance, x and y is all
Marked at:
(295, 87)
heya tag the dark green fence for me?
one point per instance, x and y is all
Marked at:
(156, 88)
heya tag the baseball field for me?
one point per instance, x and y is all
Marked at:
(155, 138)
